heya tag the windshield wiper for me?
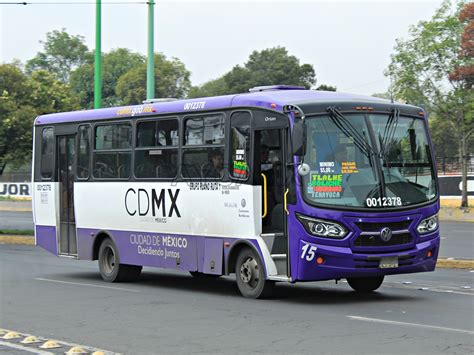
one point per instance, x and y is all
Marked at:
(350, 131)
(389, 132)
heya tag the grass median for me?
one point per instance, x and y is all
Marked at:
(17, 237)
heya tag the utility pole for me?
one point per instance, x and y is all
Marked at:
(150, 71)
(98, 58)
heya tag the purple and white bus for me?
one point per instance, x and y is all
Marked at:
(278, 184)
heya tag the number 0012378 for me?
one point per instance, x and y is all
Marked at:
(383, 201)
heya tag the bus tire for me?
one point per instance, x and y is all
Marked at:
(365, 284)
(250, 275)
(201, 275)
(109, 264)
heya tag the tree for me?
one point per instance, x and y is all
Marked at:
(420, 71)
(16, 116)
(383, 95)
(324, 87)
(22, 99)
(114, 64)
(171, 80)
(268, 67)
(61, 54)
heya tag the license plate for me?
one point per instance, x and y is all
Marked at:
(388, 262)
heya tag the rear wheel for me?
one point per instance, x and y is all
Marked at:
(365, 284)
(250, 275)
(109, 265)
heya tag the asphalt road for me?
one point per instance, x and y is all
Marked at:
(171, 313)
(457, 237)
(13, 220)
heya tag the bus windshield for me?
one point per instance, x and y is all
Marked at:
(367, 161)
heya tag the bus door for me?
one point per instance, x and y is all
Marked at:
(65, 148)
(269, 169)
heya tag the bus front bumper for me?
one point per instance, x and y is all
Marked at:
(331, 262)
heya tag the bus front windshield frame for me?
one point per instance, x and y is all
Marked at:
(367, 161)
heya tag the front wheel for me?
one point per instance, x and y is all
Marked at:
(250, 275)
(109, 265)
(365, 284)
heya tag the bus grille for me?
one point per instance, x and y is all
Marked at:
(376, 227)
(373, 240)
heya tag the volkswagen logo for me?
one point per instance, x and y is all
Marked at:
(386, 234)
(243, 203)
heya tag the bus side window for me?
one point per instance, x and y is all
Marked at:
(239, 143)
(156, 154)
(47, 153)
(112, 153)
(203, 150)
(83, 156)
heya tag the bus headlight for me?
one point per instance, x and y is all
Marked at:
(322, 228)
(428, 225)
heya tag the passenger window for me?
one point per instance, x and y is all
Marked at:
(240, 145)
(47, 153)
(204, 130)
(83, 152)
(117, 136)
(156, 155)
(207, 160)
(203, 163)
(112, 154)
(155, 133)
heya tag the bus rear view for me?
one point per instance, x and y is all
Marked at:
(280, 184)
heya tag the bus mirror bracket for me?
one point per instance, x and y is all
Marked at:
(298, 138)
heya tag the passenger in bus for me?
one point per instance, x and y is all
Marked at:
(265, 163)
(215, 167)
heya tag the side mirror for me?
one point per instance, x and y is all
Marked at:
(298, 138)
(303, 169)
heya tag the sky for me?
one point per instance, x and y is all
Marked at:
(348, 42)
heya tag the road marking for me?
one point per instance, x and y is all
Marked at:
(431, 288)
(24, 348)
(375, 320)
(87, 285)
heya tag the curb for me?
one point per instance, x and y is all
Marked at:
(15, 209)
(451, 263)
(443, 263)
(17, 239)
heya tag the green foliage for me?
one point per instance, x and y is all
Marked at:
(268, 67)
(49, 95)
(23, 98)
(114, 64)
(382, 95)
(61, 53)
(420, 71)
(324, 87)
(171, 80)
(16, 115)
(421, 65)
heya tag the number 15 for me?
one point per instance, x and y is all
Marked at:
(308, 252)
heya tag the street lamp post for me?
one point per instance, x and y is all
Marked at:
(150, 72)
(98, 59)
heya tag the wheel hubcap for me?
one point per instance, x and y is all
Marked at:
(109, 260)
(249, 272)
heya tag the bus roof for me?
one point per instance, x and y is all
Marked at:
(273, 98)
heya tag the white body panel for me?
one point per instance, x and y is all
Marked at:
(45, 203)
(211, 209)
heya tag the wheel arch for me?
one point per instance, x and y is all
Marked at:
(99, 238)
(234, 252)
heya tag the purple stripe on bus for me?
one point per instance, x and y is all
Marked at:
(258, 99)
(46, 238)
(163, 249)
